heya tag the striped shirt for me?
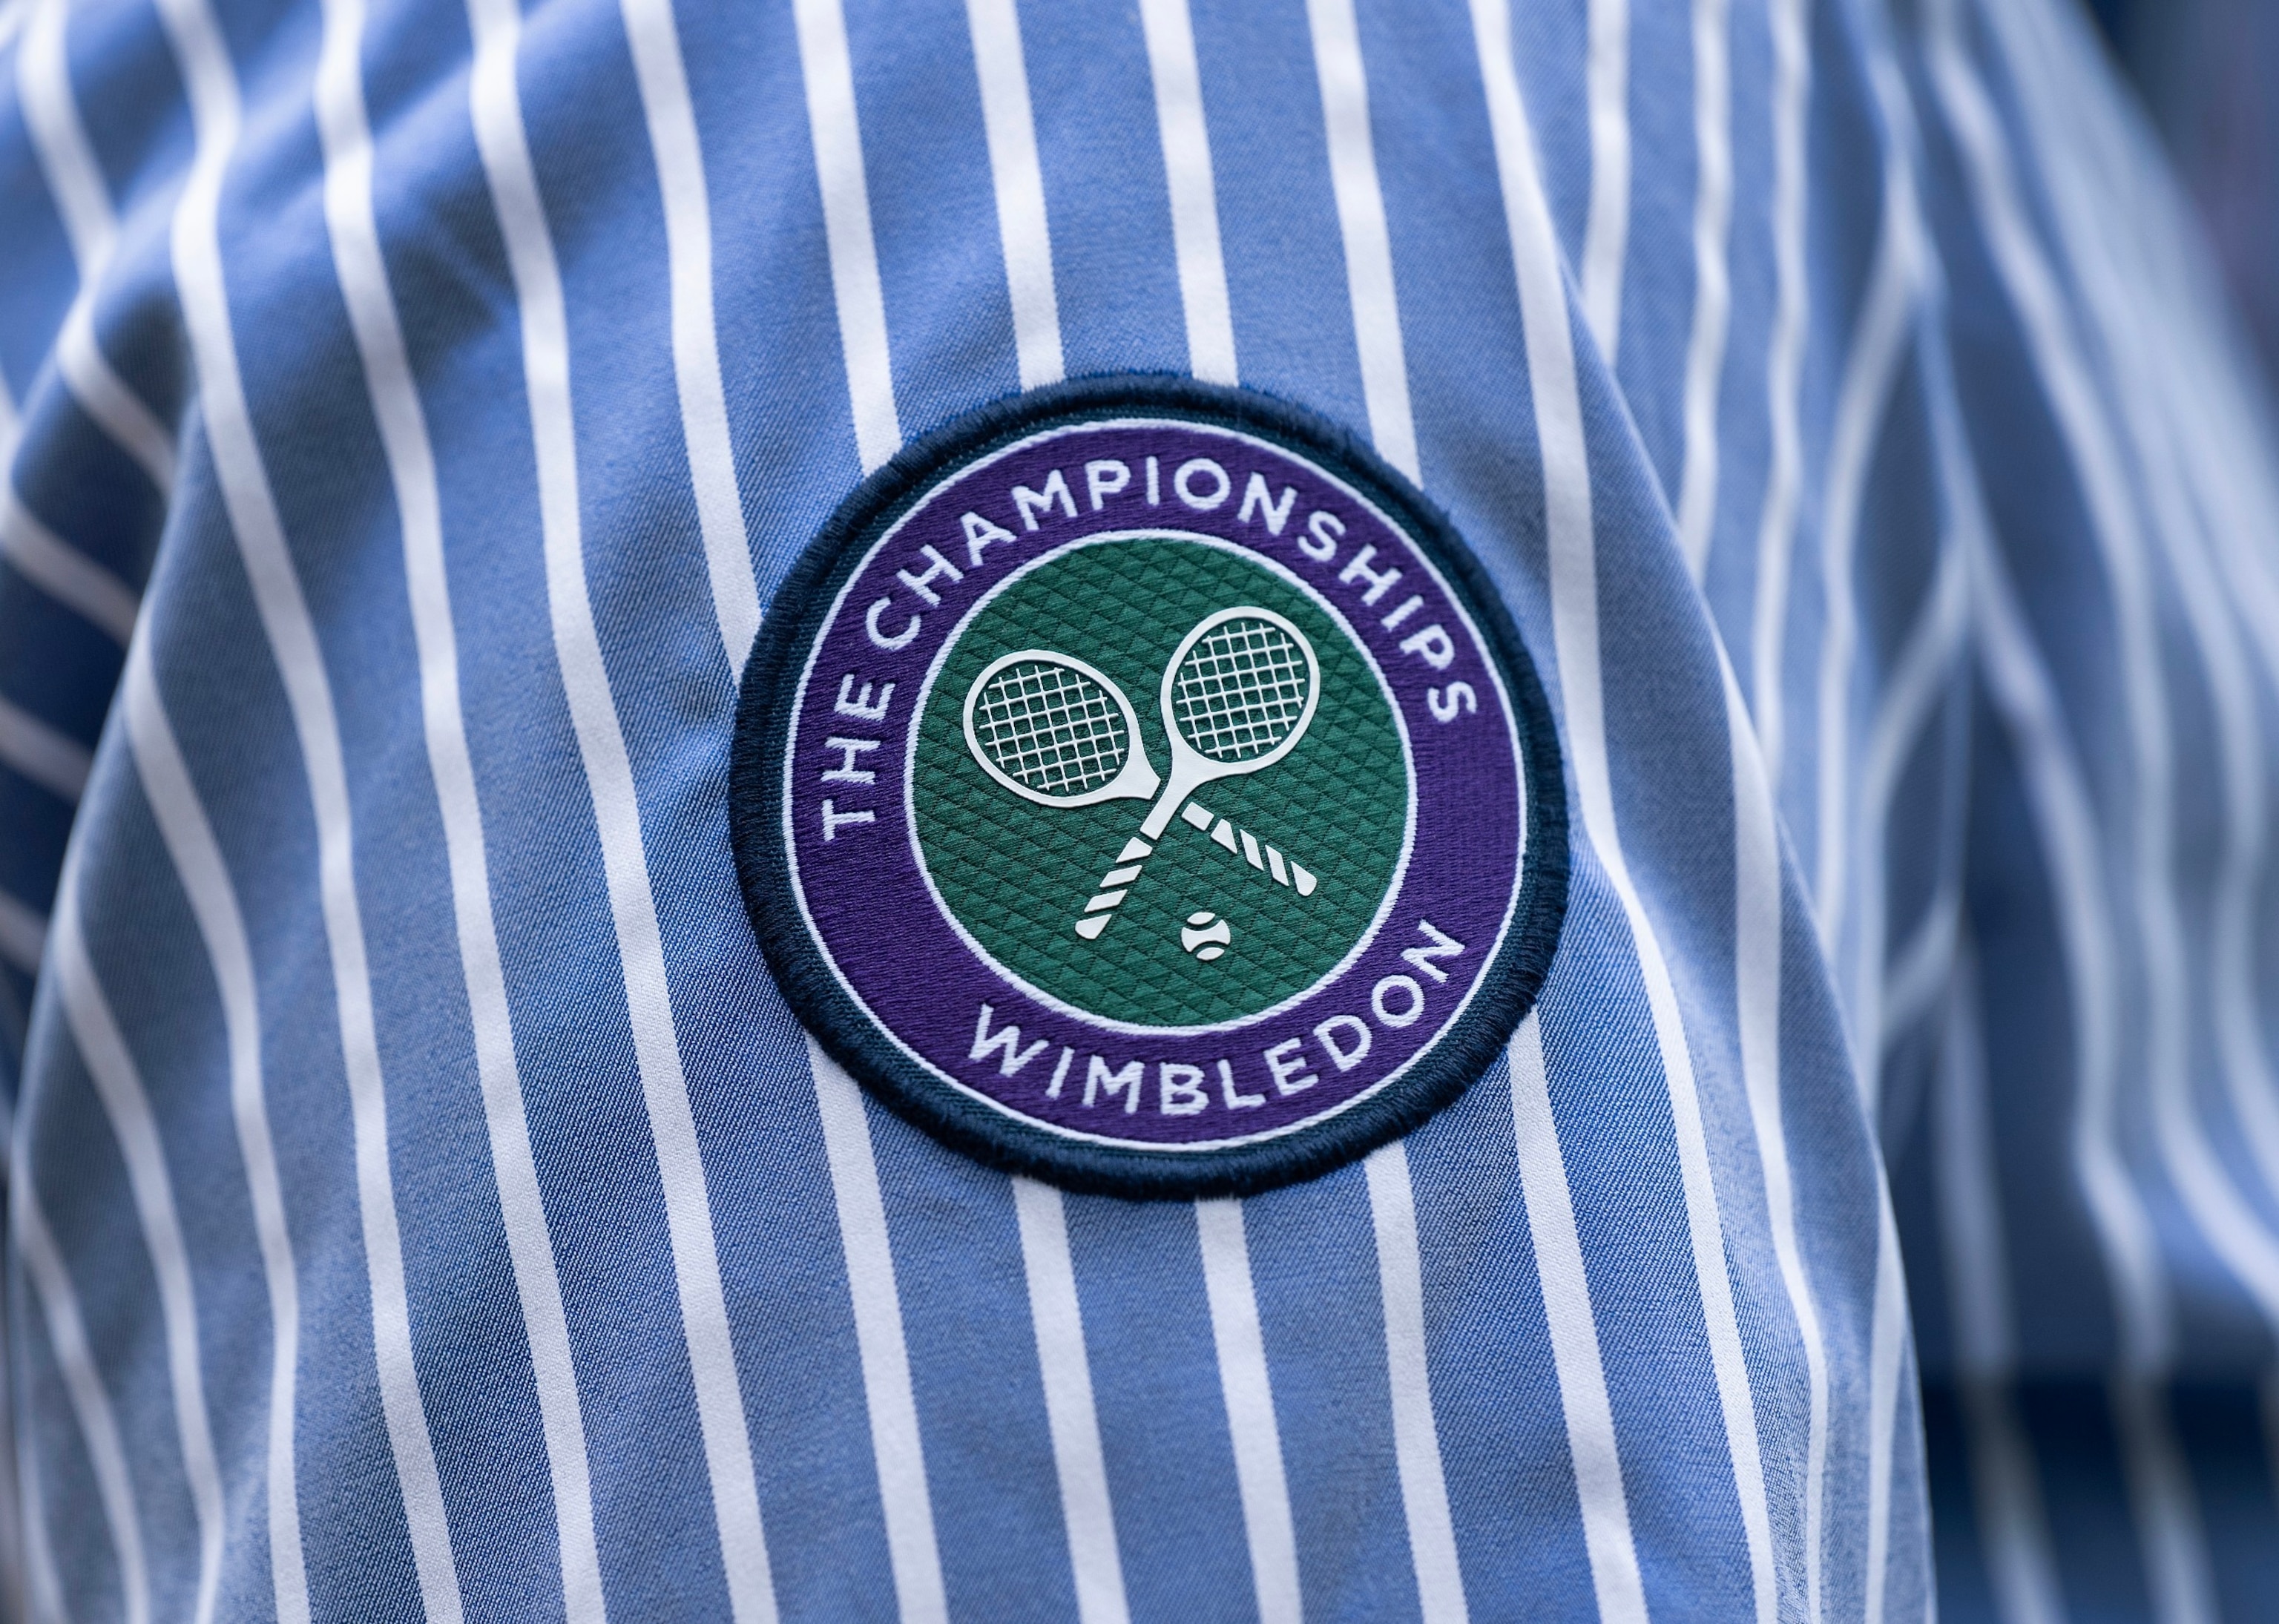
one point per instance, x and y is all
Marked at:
(421, 1202)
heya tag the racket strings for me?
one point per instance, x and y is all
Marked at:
(1051, 729)
(1241, 690)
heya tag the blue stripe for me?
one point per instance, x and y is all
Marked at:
(1502, 1436)
(34, 298)
(1170, 1468)
(1315, 1260)
(1277, 218)
(948, 317)
(958, 1261)
(1117, 286)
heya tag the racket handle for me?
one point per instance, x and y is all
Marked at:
(1268, 862)
(1117, 882)
(1112, 887)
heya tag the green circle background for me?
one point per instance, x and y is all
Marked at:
(1016, 874)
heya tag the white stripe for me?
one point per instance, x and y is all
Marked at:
(67, 158)
(1870, 371)
(1712, 285)
(1784, 381)
(98, 1423)
(1249, 1394)
(1574, 621)
(1574, 1328)
(663, 81)
(65, 573)
(1018, 179)
(292, 637)
(23, 934)
(48, 758)
(1605, 233)
(1758, 935)
(1415, 1438)
(1974, 1250)
(1194, 198)
(2167, 1521)
(125, 1102)
(829, 80)
(1362, 225)
(1076, 1457)
(886, 1392)
(1887, 1343)
(355, 233)
(189, 840)
(496, 106)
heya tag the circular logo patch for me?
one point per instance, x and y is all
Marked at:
(1136, 786)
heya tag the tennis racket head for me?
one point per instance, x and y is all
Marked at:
(1241, 690)
(1055, 731)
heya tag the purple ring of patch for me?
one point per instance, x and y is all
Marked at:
(865, 894)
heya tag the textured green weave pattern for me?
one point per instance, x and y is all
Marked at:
(1017, 875)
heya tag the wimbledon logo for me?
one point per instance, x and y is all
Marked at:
(1135, 788)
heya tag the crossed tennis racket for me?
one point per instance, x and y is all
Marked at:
(1237, 696)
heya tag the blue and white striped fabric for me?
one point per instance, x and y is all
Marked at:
(421, 1203)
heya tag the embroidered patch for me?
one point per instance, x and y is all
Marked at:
(1138, 786)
